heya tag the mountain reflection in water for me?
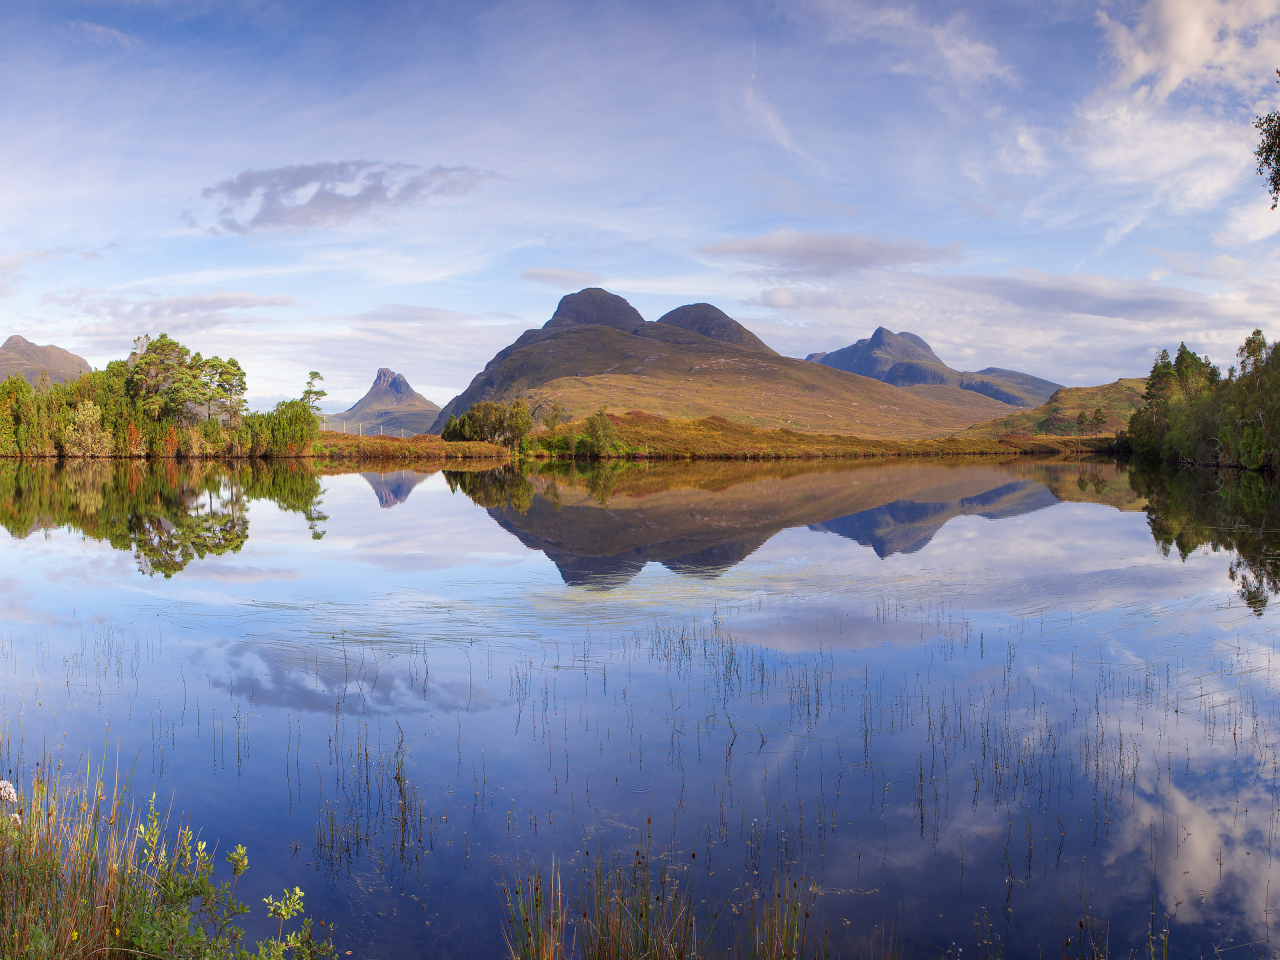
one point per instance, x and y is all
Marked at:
(600, 524)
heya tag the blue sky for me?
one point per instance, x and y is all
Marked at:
(1061, 188)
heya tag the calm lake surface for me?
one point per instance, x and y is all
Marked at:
(947, 692)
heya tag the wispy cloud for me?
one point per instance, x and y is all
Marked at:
(928, 42)
(829, 254)
(561, 279)
(11, 267)
(104, 35)
(316, 195)
(107, 319)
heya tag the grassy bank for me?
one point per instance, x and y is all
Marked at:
(345, 448)
(646, 436)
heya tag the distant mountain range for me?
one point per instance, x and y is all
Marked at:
(905, 360)
(391, 405)
(21, 356)
(697, 361)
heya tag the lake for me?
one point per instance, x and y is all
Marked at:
(971, 700)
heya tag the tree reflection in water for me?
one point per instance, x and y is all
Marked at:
(165, 513)
(1229, 510)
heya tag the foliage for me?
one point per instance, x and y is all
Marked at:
(491, 422)
(80, 877)
(162, 402)
(1194, 415)
(1268, 152)
(601, 434)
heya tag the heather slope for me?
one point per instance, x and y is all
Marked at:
(1057, 417)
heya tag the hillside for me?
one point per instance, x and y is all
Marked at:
(1057, 417)
(391, 406)
(21, 356)
(696, 361)
(905, 360)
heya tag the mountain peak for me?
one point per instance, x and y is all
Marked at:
(594, 306)
(714, 324)
(19, 355)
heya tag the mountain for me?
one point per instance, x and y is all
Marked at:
(697, 361)
(1057, 416)
(905, 360)
(21, 356)
(392, 405)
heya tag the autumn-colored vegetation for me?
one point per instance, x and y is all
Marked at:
(647, 436)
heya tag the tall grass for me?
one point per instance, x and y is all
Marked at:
(84, 873)
(536, 922)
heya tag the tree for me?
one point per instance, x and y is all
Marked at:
(1082, 421)
(312, 396)
(600, 431)
(84, 436)
(1099, 420)
(518, 423)
(1268, 152)
(553, 418)
(231, 388)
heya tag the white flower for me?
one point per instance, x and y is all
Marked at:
(7, 792)
(17, 818)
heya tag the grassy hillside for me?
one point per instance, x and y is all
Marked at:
(697, 362)
(1057, 417)
(643, 435)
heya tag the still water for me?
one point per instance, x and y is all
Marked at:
(945, 693)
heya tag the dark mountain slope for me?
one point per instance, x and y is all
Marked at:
(21, 356)
(392, 405)
(714, 324)
(905, 360)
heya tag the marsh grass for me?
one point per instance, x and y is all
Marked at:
(84, 873)
(536, 922)
(631, 907)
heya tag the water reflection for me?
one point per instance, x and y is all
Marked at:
(166, 514)
(1010, 702)
(393, 488)
(600, 524)
(1236, 511)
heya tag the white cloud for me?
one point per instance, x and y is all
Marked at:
(828, 254)
(11, 267)
(928, 43)
(561, 278)
(315, 195)
(108, 319)
(106, 35)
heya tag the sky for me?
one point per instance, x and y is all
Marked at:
(1060, 188)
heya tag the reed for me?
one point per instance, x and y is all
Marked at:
(83, 874)
(536, 922)
(630, 908)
